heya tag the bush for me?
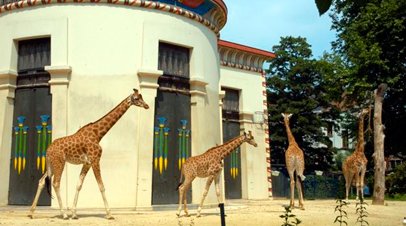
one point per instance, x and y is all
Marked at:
(396, 180)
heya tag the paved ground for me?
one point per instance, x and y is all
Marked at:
(239, 212)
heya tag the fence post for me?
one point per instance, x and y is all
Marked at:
(222, 216)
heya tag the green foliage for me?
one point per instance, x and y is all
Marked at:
(396, 181)
(294, 85)
(319, 187)
(289, 218)
(342, 214)
(362, 212)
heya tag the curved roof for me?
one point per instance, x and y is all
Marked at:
(211, 13)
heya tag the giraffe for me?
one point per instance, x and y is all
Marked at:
(208, 164)
(355, 165)
(82, 148)
(294, 160)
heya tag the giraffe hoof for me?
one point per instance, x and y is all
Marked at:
(75, 217)
(109, 217)
(65, 217)
(30, 216)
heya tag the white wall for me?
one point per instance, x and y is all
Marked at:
(253, 160)
(105, 47)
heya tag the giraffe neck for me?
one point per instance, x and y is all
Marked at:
(230, 146)
(360, 142)
(104, 124)
(291, 138)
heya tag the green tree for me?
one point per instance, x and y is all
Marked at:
(372, 43)
(294, 85)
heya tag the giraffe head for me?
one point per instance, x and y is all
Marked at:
(250, 139)
(136, 99)
(286, 116)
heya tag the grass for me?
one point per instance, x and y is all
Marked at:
(396, 197)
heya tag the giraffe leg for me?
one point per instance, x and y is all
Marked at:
(292, 189)
(347, 184)
(41, 185)
(362, 178)
(206, 190)
(57, 170)
(217, 184)
(182, 195)
(357, 184)
(97, 174)
(185, 200)
(181, 189)
(82, 176)
(300, 192)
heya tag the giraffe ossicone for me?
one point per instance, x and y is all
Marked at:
(82, 148)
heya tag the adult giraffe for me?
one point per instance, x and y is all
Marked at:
(82, 148)
(294, 160)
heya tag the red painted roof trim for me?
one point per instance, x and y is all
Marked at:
(222, 5)
(246, 48)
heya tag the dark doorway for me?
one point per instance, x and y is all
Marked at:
(172, 133)
(231, 129)
(31, 122)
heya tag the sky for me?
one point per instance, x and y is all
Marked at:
(261, 23)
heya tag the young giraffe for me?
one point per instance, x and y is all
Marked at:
(208, 164)
(355, 165)
(82, 148)
(294, 160)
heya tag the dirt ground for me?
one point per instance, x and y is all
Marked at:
(239, 212)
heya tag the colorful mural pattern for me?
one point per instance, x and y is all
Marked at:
(161, 133)
(234, 160)
(20, 152)
(44, 132)
(183, 141)
(161, 149)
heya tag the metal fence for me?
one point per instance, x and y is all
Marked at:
(326, 186)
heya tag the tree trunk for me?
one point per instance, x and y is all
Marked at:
(378, 197)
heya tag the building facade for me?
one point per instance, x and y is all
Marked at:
(64, 64)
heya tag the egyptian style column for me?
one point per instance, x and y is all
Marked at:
(222, 94)
(58, 84)
(148, 80)
(246, 157)
(198, 94)
(7, 87)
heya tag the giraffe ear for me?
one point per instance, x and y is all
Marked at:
(283, 115)
(290, 115)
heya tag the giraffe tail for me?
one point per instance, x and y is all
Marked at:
(180, 180)
(48, 179)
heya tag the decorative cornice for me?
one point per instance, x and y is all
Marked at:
(198, 87)
(59, 74)
(242, 57)
(149, 78)
(8, 79)
(215, 20)
(246, 117)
